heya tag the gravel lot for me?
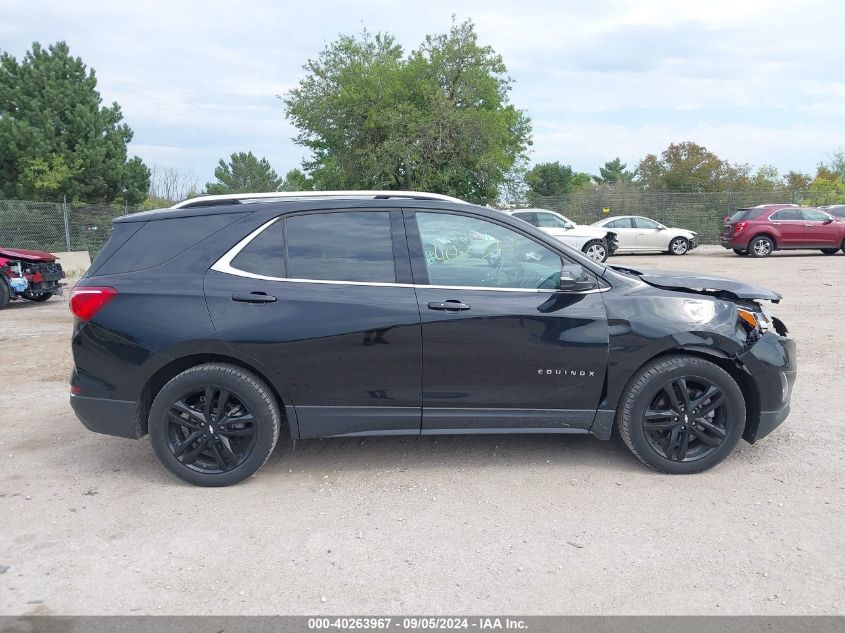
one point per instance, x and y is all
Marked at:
(91, 524)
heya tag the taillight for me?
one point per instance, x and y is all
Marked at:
(739, 226)
(86, 302)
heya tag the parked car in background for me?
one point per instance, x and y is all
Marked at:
(637, 234)
(759, 231)
(836, 210)
(596, 243)
(29, 275)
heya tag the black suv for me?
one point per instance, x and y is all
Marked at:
(214, 325)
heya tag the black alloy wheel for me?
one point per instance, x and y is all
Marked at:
(214, 424)
(686, 419)
(211, 430)
(681, 414)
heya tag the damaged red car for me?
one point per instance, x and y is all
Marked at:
(28, 275)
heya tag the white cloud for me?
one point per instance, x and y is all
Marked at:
(756, 81)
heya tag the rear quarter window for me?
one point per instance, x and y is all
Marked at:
(158, 241)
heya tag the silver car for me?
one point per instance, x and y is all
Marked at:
(637, 234)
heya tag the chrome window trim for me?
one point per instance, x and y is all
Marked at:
(224, 265)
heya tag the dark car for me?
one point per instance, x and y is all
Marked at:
(759, 231)
(214, 326)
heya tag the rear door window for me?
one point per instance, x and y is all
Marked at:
(621, 223)
(785, 215)
(265, 254)
(345, 246)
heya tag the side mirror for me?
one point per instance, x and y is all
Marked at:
(828, 221)
(573, 278)
(660, 227)
(567, 226)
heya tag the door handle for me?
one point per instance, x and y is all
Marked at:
(253, 297)
(449, 306)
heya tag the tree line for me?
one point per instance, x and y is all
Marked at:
(438, 118)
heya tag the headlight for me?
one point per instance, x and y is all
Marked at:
(755, 320)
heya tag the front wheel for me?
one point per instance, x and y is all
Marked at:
(214, 424)
(679, 246)
(761, 246)
(596, 250)
(830, 251)
(681, 414)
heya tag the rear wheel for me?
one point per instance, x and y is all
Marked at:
(741, 252)
(761, 246)
(5, 295)
(830, 251)
(679, 246)
(595, 250)
(38, 297)
(214, 424)
(681, 414)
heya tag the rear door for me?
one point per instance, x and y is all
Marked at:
(502, 347)
(324, 300)
(790, 226)
(625, 232)
(819, 229)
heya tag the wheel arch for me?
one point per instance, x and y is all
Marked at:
(764, 233)
(734, 368)
(170, 370)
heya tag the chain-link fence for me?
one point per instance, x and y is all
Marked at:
(57, 226)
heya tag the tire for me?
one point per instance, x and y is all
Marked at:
(830, 251)
(219, 458)
(5, 294)
(761, 246)
(596, 250)
(741, 252)
(709, 439)
(679, 246)
(38, 298)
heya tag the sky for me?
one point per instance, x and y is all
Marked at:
(756, 81)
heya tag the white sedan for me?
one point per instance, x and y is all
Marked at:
(595, 243)
(637, 235)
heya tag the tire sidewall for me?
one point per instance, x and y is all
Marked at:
(736, 416)
(192, 380)
(5, 294)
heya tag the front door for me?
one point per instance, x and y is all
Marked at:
(324, 300)
(650, 237)
(819, 229)
(502, 347)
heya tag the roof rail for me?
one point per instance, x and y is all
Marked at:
(272, 196)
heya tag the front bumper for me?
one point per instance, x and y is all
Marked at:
(772, 365)
(110, 417)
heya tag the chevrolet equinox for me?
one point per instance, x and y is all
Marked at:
(214, 325)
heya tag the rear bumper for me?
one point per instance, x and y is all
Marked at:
(111, 417)
(733, 243)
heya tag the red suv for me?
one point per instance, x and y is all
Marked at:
(759, 231)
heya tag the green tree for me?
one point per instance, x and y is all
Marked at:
(554, 179)
(296, 180)
(692, 168)
(244, 173)
(796, 180)
(56, 138)
(613, 171)
(437, 120)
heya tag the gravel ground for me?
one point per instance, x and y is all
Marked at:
(91, 524)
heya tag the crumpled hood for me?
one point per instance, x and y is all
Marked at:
(707, 284)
